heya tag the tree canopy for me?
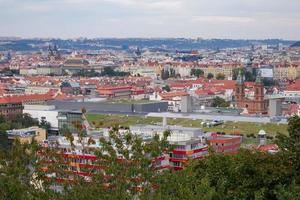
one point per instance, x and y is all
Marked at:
(220, 76)
(220, 102)
(249, 174)
(210, 76)
(197, 72)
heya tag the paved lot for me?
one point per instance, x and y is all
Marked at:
(215, 116)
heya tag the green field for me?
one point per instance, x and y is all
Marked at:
(245, 128)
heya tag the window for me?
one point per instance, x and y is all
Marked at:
(180, 147)
(178, 156)
(194, 146)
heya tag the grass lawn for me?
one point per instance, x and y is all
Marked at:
(245, 128)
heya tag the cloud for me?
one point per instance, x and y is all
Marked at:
(222, 19)
(147, 18)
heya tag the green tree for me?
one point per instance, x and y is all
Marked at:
(197, 72)
(172, 73)
(220, 102)
(246, 175)
(220, 76)
(165, 74)
(249, 76)
(108, 71)
(128, 169)
(24, 121)
(45, 125)
(64, 130)
(166, 88)
(210, 76)
(19, 177)
(184, 185)
(4, 143)
(290, 145)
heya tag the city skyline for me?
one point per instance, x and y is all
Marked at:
(232, 19)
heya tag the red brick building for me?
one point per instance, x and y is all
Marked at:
(258, 105)
(225, 143)
(11, 106)
(115, 92)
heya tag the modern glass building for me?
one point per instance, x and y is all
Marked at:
(70, 120)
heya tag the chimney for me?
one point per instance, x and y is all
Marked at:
(165, 123)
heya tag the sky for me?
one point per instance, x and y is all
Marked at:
(230, 19)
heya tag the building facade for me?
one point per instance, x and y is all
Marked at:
(258, 105)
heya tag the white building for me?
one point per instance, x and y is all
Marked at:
(178, 133)
(46, 112)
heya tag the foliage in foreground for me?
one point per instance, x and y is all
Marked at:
(246, 175)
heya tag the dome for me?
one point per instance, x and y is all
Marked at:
(262, 132)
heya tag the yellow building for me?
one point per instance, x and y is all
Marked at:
(26, 135)
(292, 73)
(289, 72)
(215, 70)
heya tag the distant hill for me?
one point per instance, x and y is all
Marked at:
(297, 44)
(161, 44)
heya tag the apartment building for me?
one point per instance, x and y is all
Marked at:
(225, 143)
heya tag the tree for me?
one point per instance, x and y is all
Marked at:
(246, 175)
(220, 76)
(172, 73)
(249, 76)
(165, 74)
(290, 145)
(236, 71)
(184, 185)
(4, 143)
(83, 110)
(87, 73)
(210, 76)
(220, 102)
(108, 71)
(44, 124)
(64, 130)
(23, 121)
(19, 177)
(127, 171)
(166, 88)
(197, 72)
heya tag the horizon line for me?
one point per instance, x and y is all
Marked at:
(191, 38)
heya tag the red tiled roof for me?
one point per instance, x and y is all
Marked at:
(25, 98)
(170, 95)
(268, 147)
(204, 92)
(226, 84)
(114, 87)
(137, 91)
(249, 84)
(295, 86)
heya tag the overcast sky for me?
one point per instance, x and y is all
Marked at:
(251, 19)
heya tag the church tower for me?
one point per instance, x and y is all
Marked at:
(239, 90)
(259, 95)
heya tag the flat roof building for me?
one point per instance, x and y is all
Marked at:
(26, 135)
